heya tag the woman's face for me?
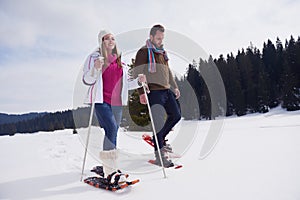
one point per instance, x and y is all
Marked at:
(109, 42)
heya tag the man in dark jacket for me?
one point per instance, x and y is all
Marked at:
(152, 60)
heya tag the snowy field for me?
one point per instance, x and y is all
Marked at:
(257, 158)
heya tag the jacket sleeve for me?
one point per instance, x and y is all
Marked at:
(140, 65)
(132, 83)
(89, 71)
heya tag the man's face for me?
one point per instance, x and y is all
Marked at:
(157, 40)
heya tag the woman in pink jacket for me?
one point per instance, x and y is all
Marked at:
(104, 69)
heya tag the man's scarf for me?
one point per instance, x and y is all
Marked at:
(151, 60)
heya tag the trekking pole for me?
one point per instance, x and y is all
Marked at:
(153, 127)
(90, 123)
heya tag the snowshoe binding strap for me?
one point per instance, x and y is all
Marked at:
(98, 170)
(117, 178)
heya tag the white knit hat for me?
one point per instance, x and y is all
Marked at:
(101, 34)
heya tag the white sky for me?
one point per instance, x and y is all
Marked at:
(44, 43)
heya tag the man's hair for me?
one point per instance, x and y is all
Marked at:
(155, 28)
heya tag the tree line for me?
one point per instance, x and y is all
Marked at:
(60, 120)
(254, 80)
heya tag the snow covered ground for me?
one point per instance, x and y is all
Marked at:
(257, 157)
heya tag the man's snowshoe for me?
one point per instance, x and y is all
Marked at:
(167, 148)
(165, 162)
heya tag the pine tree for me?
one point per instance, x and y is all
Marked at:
(291, 91)
(225, 72)
(279, 67)
(247, 83)
(261, 81)
(269, 59)
(237, 97)
(193, 79)
(188, 99)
